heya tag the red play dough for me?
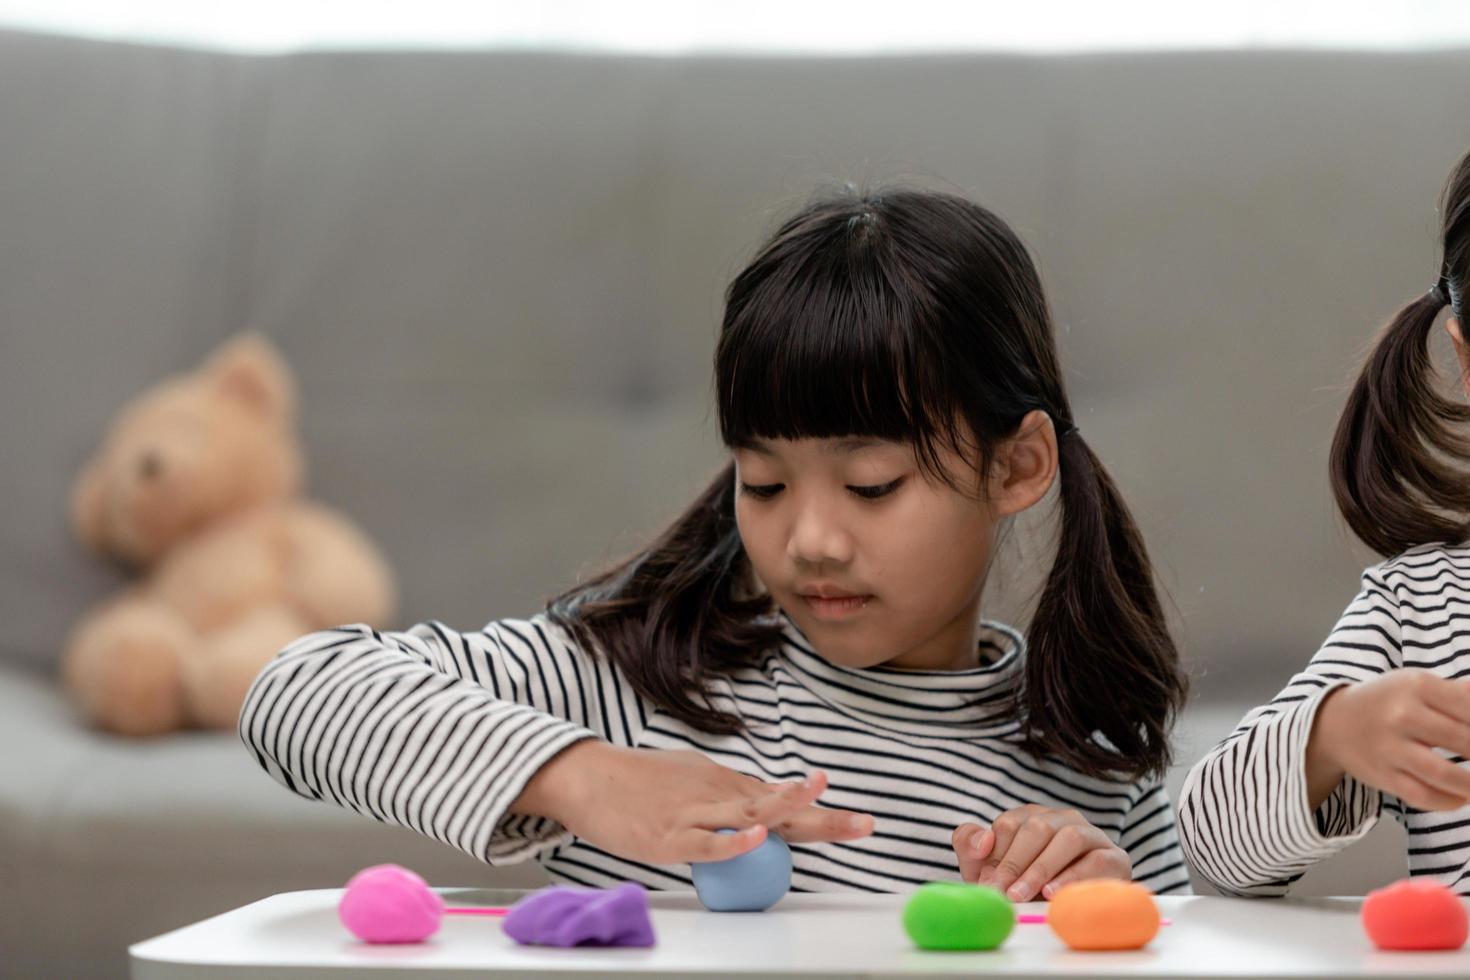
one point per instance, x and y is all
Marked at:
(1413, 914)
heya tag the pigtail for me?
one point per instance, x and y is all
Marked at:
(1395, 451)
(1100, 660)
(679, 612)
(1398, 453)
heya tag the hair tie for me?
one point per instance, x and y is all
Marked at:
(1447, 291)
(1440, 291)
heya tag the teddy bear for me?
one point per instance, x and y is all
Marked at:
(195, 488)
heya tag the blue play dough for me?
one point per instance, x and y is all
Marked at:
(752, 882)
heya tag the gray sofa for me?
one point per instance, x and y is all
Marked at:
(499, 276)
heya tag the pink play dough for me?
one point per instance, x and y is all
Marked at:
(390, 904)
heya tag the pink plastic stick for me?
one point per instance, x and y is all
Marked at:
(1040, 920)
(1025, 920)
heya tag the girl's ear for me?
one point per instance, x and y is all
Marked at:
(1025, 465)
(1457, 337)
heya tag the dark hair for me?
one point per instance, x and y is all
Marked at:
(917, 317)
(1396, 451)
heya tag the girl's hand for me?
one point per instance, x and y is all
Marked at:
(1036, 850)
(667, 807)
(1385, 731)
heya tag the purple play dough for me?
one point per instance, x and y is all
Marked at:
(562, 916)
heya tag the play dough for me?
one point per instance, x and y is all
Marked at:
(947, 915)
(562, 916)
(1413, 914)
(1104, 914)
(390, 904)
(752, 882)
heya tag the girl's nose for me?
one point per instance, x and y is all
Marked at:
(817, 537)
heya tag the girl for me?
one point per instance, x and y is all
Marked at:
(890, 394)
(1379, 719)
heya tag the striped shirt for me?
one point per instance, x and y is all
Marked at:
(1243, 813)
(439, 731)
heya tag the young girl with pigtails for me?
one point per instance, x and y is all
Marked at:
(1379, 720)
(802, 652)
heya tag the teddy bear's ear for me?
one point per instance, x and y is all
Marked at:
(87, 515)
(250, 370)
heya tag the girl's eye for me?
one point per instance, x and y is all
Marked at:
(762, 492)
(874, 492)
(766, 491)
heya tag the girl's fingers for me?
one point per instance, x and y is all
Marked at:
(972, 844)
(1002, 831)
(765, 804)
(1440, 730)
(1451, 697)
(1093, 864)
(1069, 843)
(787, 801)
(1412, 790)
(818, 824)
(694, 845)
(1002, 868)
(1437, 772)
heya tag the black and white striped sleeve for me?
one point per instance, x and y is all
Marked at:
(433, 729)
(1152, 842)
(1243, 814)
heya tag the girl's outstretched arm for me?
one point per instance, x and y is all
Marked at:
(468, 738)
(1246, 817)
(434, 729)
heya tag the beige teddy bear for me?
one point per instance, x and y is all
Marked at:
(196, 488)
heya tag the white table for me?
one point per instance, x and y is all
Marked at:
(297, 935)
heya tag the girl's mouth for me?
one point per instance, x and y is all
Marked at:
(836, 608)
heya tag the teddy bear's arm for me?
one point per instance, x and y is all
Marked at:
(334, 574)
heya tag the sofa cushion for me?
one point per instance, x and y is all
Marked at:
(105, 841)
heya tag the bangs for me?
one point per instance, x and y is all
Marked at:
(826, 335)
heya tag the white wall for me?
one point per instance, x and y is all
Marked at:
(680, 26)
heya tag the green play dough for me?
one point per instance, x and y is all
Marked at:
(947, 915)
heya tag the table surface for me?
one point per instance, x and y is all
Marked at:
(807, 935)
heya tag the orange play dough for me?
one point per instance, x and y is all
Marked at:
(1104, 914)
